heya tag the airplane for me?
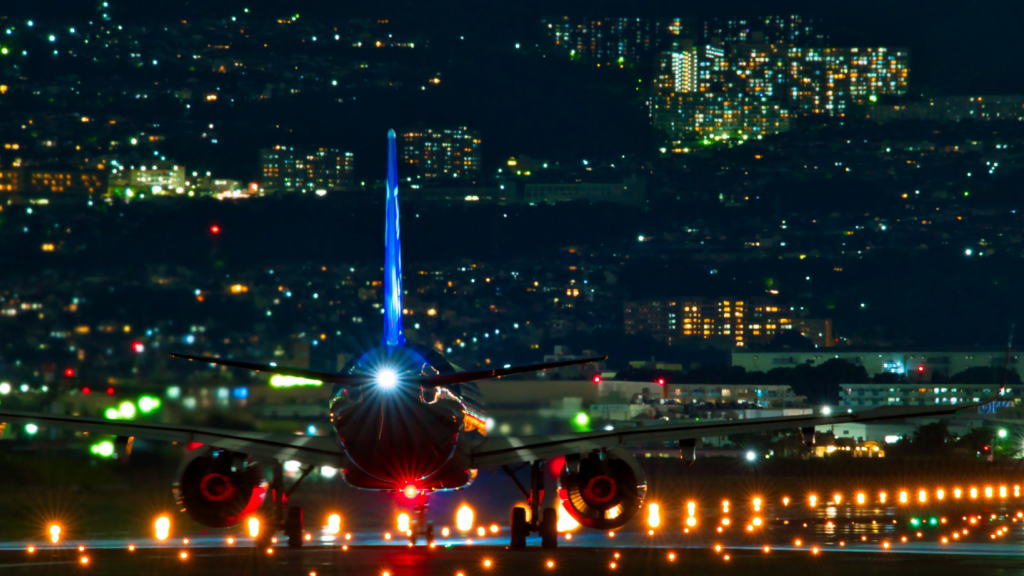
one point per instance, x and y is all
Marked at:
(406, 420)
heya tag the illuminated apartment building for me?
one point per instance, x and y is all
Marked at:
(286, 169)
(442, 154)
(738, 322)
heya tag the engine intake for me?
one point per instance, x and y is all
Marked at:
(602, 490)
(219, 488)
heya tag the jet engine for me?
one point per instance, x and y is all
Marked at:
(220, 488)
(603, 489)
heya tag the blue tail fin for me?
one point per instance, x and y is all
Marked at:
(394, 336)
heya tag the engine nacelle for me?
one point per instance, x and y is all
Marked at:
(220, 488)
(602, 490)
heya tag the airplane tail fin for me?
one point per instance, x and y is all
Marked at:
(394, 336)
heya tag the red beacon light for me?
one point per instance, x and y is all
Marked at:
(110, 390)
(69, 372)
(410, 491)
(920, 368)
(660, 381)
(215, 229)
(596, 379)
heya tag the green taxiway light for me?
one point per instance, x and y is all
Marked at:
(103, 449)
(111, 414)
(148, 404)
(126, 410)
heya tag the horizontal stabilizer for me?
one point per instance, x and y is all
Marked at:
(415, 380)
(458, 377)
(284, 370)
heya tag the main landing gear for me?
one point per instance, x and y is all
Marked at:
(419, 525)
(280, 516)
(543, 520)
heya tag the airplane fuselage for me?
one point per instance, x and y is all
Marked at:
(396, 436)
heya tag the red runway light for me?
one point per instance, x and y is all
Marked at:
(69, 372)
(215, 229)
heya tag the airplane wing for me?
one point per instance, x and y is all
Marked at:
(314, 450)
(494, 452)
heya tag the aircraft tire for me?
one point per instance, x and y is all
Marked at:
(519, 529)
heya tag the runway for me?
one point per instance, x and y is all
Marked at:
(940, 531)
(476, 560)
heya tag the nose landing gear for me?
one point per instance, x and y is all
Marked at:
(419, 525)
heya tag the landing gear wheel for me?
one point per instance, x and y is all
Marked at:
(549, 529)
(519, 529)
(293, 527)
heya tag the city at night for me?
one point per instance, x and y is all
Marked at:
(462, 288)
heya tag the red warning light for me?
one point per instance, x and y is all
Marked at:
(410, 491)
(69, 372)
(86, 390)
(660, 381)
(110, 390)
(214, 229)
(920, 368)
(596, 379)
(138, 347)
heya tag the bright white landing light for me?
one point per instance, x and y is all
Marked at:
(386, 378)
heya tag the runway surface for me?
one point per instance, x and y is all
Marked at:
(979, 529)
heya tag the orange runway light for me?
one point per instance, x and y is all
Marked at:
(886, 545)
(798, 542)
(183, 555)
(611, 534)
(31, 549)
(488, 563)
(131, 547)
(162, 528)
(815, 550)
(671, 556)
(766, 549)
(83, 560)
(54, 530)
(550, 564)
(727, 557)
(613, 565)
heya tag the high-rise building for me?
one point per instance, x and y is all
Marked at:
(443, 154)
(779, 30)
(870, 72)
(616, 41)
(286, 169)
(738, 322)
(754, 75)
